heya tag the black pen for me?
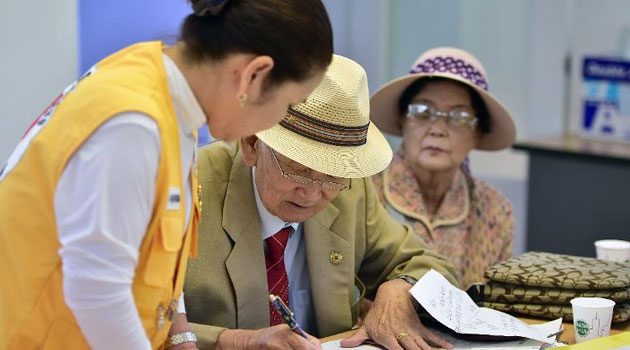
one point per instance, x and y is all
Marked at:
(556, 334)
(286, 314)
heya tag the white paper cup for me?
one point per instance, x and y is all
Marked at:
(613, 250)
(591, 317)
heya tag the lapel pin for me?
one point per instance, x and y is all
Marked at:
(335, 257)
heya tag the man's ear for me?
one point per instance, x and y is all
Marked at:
(253, 78)
(249, 150)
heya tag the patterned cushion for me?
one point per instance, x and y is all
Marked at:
(621, 312)
(560, 271)
(508, 293)
(543, 284)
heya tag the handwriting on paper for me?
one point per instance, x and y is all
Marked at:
(454, 308)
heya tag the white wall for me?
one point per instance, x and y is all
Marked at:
(361, 32)
(416, 26)
(38, 59)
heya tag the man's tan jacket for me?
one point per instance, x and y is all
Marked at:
(352, 244)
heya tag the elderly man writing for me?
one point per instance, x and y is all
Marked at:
(298, 217)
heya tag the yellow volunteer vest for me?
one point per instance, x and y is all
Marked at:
(33, 313)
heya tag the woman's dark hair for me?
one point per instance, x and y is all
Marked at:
(295, 33)
(477, 103)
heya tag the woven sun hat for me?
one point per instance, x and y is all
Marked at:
(450, 63)
(331, 132)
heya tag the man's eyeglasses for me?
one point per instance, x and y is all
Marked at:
(456, 117)
(327, 185)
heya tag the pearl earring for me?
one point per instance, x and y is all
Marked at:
(242, 99)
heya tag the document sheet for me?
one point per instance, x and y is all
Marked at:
(453, 308)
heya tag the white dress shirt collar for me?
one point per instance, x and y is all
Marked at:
(187, 107)
(270, 224)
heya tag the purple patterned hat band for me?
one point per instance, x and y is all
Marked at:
(447, 64)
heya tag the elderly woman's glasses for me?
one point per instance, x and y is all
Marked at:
(327, 185)
(456, 117)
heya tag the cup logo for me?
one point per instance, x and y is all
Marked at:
(582, 328)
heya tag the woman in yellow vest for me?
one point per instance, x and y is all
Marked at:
(98, 202)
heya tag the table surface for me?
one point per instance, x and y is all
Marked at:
(568, 336)
(575, 144)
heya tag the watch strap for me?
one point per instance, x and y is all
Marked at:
(406, 278)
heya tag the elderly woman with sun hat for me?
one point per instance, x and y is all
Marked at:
(443, 110)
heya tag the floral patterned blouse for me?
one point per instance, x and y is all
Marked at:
(473, 226)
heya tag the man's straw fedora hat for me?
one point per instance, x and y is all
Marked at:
(331, 132)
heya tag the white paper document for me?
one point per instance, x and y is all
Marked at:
(453, 308)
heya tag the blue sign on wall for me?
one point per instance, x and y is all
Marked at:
(606, 98)
(606, 69)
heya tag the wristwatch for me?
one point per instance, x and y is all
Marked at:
(179, 338)
(406, 278)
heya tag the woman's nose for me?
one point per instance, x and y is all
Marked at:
(438, 128)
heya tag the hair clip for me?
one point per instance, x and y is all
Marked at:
(213, 7)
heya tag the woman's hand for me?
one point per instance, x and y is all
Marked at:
(279, 337)
(392, 322)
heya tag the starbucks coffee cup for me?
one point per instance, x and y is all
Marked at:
(591, 317)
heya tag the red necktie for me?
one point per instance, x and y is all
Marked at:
(277, 278)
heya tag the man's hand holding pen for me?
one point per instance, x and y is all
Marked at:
(272, 338)
(287, 315)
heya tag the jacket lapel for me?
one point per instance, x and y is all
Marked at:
(329, 282)
(246, 262)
